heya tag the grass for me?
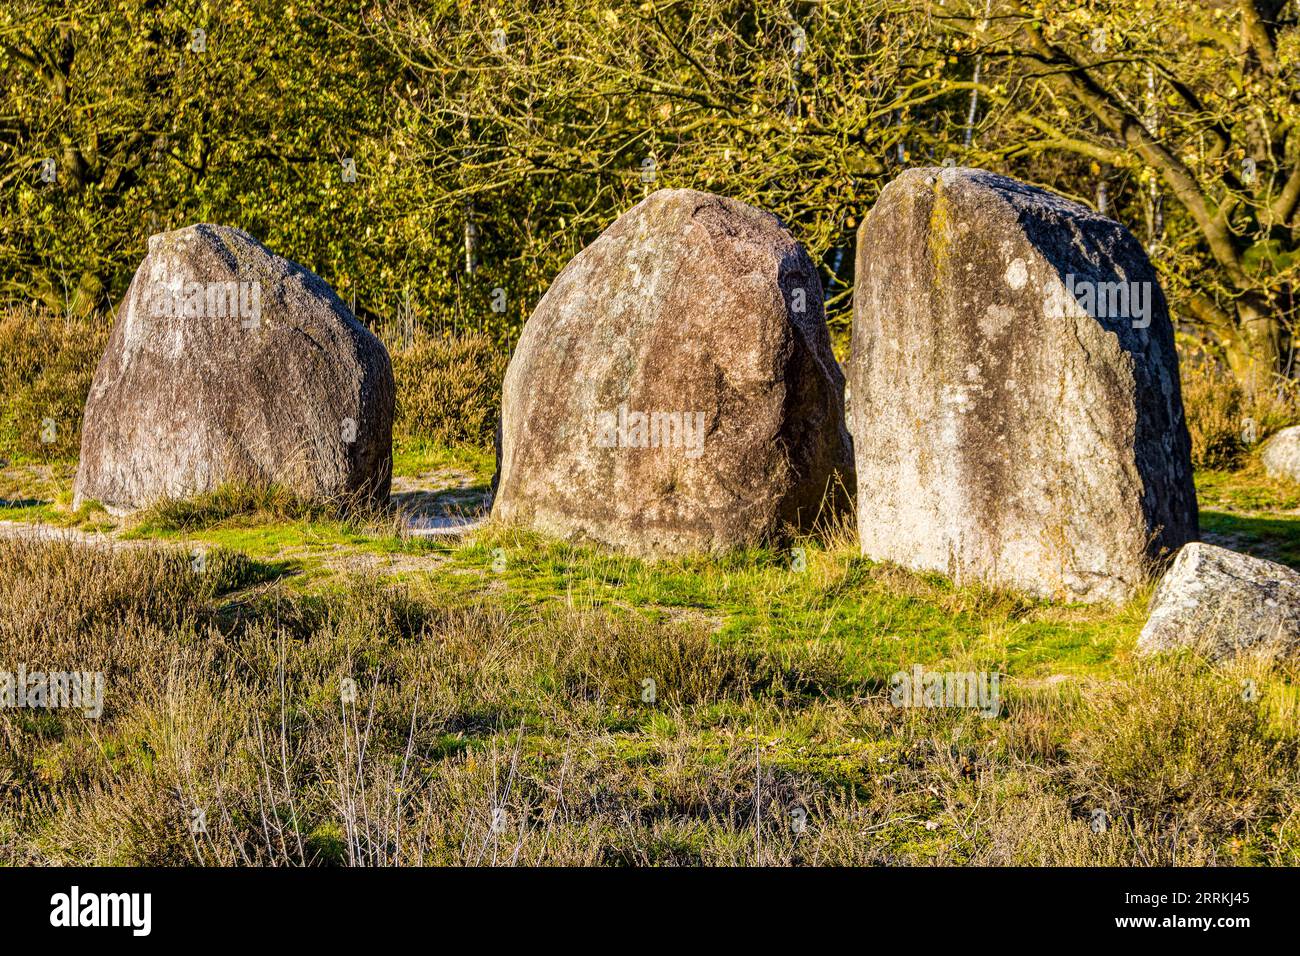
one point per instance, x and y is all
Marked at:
(1251, 512)
(1226, 425)
(45, 376)
(417, 456)
(225, 695)
(835, 599)
(877, 618)
(501, 712)
(1248, 489)
(237, 505)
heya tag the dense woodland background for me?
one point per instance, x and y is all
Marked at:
(491, 142)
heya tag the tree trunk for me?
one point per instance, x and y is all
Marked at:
(1255, 352)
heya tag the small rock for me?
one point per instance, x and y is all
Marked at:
(1281, 454)
(1222, 603)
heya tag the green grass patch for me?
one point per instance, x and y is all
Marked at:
(1249, 489)
(878, 618)
(419, 456)
(1272, 537)
(618, 711)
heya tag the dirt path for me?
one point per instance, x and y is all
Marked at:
(446, 501)
(33, 531)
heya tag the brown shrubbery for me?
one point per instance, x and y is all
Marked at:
(449, 389)
(46, 364)
(1224, 422)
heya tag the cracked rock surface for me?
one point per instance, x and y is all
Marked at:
(230, 363)
(1009, 430)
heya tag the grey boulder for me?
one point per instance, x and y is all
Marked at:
(1017, 415)
(674, 391)
(1281, 454)
(1222, 603)
(228, 363)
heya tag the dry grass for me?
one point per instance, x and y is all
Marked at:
(45, 376)
(1225, 423)
(245, 505)
(449, 390)
(495, 734)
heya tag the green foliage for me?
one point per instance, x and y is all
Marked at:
(545, 123)
(523, 144)
(1180, 119)
(491, 143)
(153, 126)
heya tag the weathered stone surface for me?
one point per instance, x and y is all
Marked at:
(230, 363)
(704, 316)
(1281, 454)
(1004, 434)
(1222, 603)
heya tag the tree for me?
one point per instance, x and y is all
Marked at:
(122, 121)
(1198, 102)
(539, 124)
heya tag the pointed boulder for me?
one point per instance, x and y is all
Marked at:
(228, 363)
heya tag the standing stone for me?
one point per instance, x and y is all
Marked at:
(1222, 603)
(1281, 454)
(228, 363)
(1017, 415)
(675, 389)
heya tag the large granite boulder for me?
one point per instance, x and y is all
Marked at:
(228, 363)
(1222, 604)
(1281, 454)
(1017, 416)
(674, 390)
